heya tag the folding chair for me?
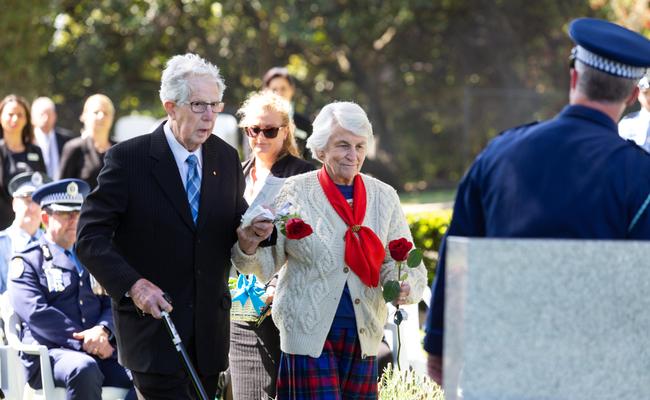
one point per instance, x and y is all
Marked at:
(49, 391)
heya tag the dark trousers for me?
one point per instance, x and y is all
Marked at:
(177, 386)
(254, 359)
(83, 375)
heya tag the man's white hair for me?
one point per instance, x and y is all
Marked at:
(179, 69)
(345, 114)
(42, 103)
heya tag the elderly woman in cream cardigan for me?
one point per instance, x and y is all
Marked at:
(328, 305)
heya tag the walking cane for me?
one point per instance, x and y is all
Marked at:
(187, 363)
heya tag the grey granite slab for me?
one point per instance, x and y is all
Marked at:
(547, 319)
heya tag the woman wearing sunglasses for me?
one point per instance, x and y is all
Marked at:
(255, 350)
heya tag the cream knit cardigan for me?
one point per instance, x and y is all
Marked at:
(311, 284)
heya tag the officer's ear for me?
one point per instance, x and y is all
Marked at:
(633, 97)
(573, 73)
(45, 217)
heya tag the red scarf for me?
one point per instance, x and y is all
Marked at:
(364, 252)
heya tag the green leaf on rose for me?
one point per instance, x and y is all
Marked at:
(404, 276)
(415, 258)
(391, 290)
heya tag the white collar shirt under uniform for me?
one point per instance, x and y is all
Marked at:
(181, 153)
(635, 127)
(12, 240)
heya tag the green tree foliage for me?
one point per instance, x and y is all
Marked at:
(437, 78)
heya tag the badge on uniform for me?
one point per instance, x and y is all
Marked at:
(54, 278)
(16, 268)
(32, 157)
(37, 179)
(72, 190)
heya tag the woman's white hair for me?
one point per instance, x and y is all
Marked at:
(345, 114)
(179, 69)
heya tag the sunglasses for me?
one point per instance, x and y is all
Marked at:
(269, 133)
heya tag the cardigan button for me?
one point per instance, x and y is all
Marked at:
(364, 356)
(362, 331)
(346, 270)
(357, 301)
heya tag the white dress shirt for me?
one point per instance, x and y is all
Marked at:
(181, 154)
(51, 156)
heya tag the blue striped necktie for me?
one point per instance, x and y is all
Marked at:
(193, 186)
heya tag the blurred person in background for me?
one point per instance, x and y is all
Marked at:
(49, 137)
(255, 350)
(83, 157)
(278, 80)
(17, 151)
(26, 225)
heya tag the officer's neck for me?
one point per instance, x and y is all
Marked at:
(614, 110)
(27, 226)
(66, 244)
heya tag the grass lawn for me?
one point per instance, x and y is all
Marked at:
(432, 196)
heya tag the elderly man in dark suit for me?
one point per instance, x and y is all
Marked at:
(49, 137)
(163, 220)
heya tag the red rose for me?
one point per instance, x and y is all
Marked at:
(297, 229)
(399, 249)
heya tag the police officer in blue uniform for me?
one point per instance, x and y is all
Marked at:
(636, 126)
(25, 227)
(61, 306)
(569, 177)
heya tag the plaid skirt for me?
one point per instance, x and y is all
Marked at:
(339, 373)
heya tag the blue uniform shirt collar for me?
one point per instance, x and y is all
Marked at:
(584, 112)
(60, 259)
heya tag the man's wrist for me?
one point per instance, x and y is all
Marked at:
(107, 330)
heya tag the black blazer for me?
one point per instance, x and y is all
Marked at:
(81, 160)
(62, 137)
(10, 167)
(138, 224)
(284, 167)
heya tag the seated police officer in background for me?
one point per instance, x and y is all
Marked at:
(25, 227)
(59, 302)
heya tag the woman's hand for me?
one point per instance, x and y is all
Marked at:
(251, 236)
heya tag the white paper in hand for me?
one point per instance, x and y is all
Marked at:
(264, 200)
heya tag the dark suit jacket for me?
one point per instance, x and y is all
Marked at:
(10, 167)
(137, 224)
(284, 167)
(81, 160)
(62, 137)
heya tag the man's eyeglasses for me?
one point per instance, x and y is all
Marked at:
(269, 133)
(199, 107)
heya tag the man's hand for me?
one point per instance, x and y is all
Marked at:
(404, 291)
(251, 236)
(149, 298)
(95, 342)
(434, 368)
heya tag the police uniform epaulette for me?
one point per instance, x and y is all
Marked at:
(29, 248)
(520, 127)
